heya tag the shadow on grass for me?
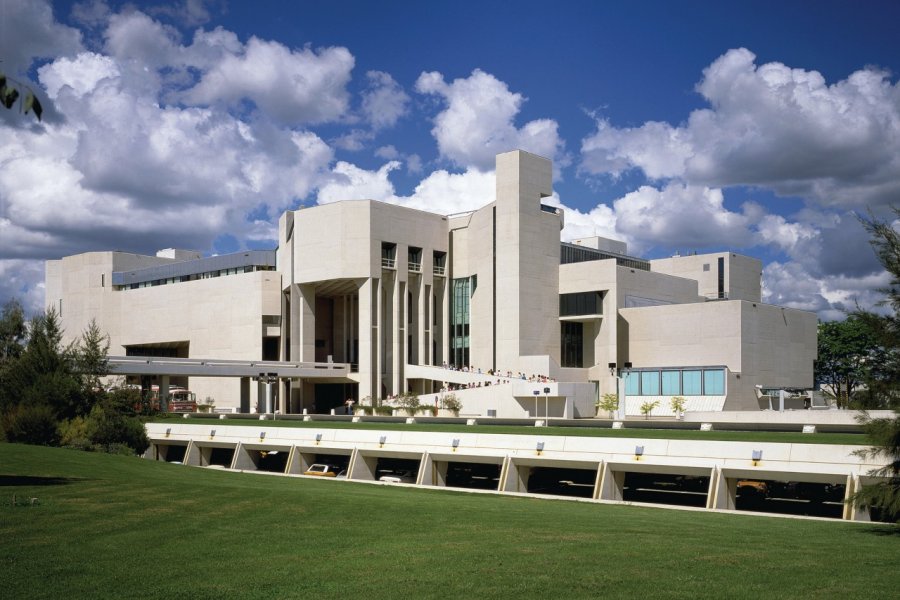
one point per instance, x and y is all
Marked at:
(25, 480)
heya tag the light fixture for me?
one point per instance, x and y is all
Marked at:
(638, 451)
(626, 365)
(540, 447)
(262, 435)
(455, 444)
(757, 456)
(382, 440)
(318, 437)
(612, 368)
(212, 433)
(168, 432)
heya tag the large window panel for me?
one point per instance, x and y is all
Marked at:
(671, 383)
(650, 383)
(714, 382)
(691, 383)
(632, 384)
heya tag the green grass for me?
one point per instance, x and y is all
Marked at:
(784, 437)
(118, 527)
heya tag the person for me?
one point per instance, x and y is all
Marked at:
(349, 404)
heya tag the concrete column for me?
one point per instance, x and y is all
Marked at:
(398, 333)
(445, 319)
(423, 350)
(164, 393)
(612, 484)
(366, 360)
(295, 323)
(725, 492)
(378, 336)
(245, 395)
(306, 311)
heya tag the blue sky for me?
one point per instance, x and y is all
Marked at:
(762, 128)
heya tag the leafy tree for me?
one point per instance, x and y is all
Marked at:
(91, 360)
(884, 433)
(608, 402)
(884, 495)
(850, 353)
(12, 331)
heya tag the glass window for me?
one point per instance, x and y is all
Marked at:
(714, 382)
(650, 383)
(671, 383)
(632, 384)
(691, 383)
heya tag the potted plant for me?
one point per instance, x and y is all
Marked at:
(609, 403)
(677, 403)
(409, 401)
(647, 408)
(452, 403)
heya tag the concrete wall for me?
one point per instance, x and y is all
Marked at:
(743, 275)
(191, 313)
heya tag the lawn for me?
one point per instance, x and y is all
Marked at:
(118, 527)
(784, 437)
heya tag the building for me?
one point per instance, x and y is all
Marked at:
(489, 302)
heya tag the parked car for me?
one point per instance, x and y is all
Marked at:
(398, 477)
(323, 470)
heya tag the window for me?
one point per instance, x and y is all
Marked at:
(714, 382)
(440, 262)
(388, 255)
(671, 383)
(632, 383)
(691, 383)
(582, 303)
(415, 259)
(459, 321)
(705, 267)
(572, 335)
(650, 383)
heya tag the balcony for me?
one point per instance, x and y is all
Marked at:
(439, 270)
(388, 263)
(415, 267)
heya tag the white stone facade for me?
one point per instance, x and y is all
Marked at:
(397, 292)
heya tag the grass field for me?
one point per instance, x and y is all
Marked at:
(785, 437)
(118, 527)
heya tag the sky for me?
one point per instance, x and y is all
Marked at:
(766, 128)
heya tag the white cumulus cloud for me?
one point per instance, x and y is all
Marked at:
(478, 121)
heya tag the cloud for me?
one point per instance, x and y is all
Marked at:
(292, 86)
(771, 126)
(680, 216)
(187, 12)
(30, 32)
(478, 122)
(440, 192)
(383, 101)
(24, 281)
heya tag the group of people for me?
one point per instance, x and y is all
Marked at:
(509, 375)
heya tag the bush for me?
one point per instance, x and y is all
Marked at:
(408, 401)
(647, 408)
(30, 423)
(108, 427)
(452, 403)
(608, 402)
(76, 433)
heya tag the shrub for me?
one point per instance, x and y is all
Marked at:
(30, 423)
(76, 433)
(409, 401)
(108, 427)
(647, 408)
(452, 403)
(677, 403)
(608, 402)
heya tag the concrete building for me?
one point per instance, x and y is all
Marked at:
(489, 302)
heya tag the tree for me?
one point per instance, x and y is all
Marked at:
(609, 402)
(884, 433)
(849, 354)
(12, 331)
(92, 363)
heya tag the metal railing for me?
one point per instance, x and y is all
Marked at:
(415, 267)
(388, 263)
(439, 270)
